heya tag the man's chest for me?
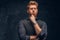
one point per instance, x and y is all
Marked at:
(29, 27)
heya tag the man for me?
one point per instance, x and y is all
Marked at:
(32, 28)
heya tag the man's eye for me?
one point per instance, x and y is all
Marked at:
(31, 8)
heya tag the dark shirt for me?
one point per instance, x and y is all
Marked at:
(26, 29)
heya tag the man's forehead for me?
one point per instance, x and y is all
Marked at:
(32, 6)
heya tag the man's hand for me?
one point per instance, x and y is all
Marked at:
(33, 37)
(33, 19)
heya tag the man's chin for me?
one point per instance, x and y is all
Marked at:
(35, 15)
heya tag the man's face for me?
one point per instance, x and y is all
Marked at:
(33, 10)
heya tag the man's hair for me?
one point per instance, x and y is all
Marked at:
(32, 3)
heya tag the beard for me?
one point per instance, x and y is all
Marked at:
(34, 14)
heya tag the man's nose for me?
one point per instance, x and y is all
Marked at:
(33, 10)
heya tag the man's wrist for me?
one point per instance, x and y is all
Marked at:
(35, 22)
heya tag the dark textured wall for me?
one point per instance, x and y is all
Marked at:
(11, 11)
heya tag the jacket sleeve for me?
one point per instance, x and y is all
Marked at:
(43, 34)
(22, 32)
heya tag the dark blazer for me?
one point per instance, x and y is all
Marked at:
(26, 29)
